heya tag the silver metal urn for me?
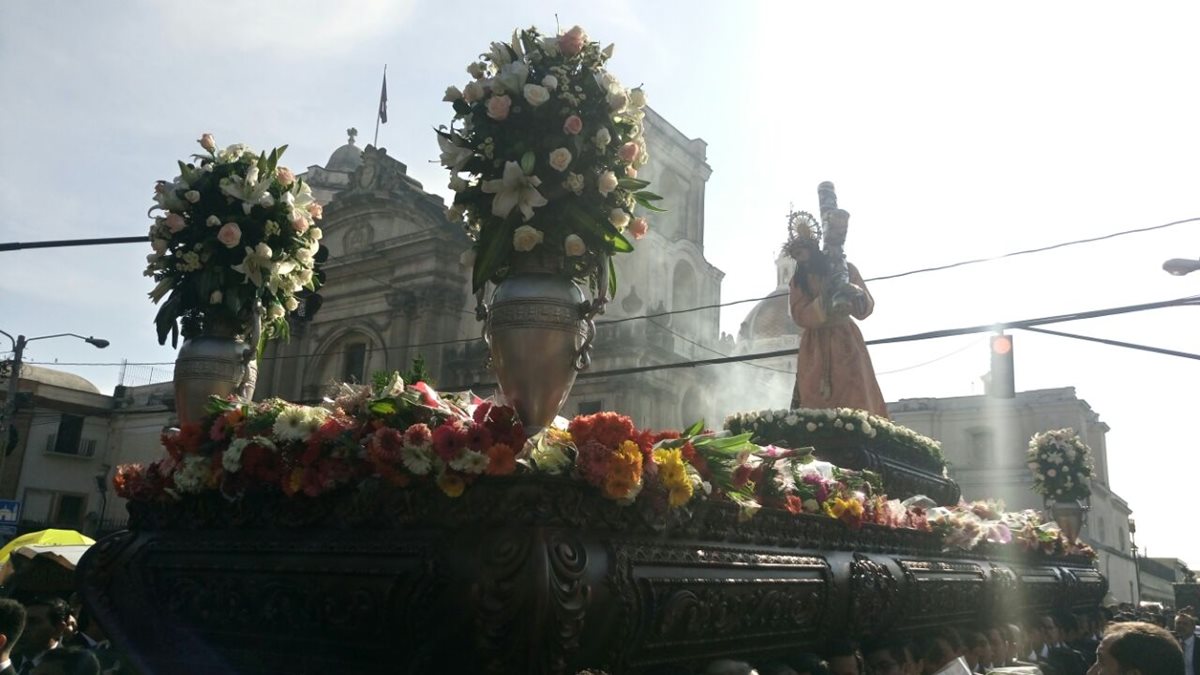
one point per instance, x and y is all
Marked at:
(219, 364)
(539, 329)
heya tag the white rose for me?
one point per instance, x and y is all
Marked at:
(291, 304)
(215, 298)
(637, 97)
(574, 182)
(275, 312)
(457, 184)
(315, 233)
(473, 92)
(452, 94)
(1052, 473)
(618, 101)
(574, 246)
(619, 218)
(849, 427)
(607, 182)
(526, 237)
(536, 94)
(560, 159)
(550, 82)
(212, 221)
(192, 196)
(810, 426)
(602, 138)
(467, 259)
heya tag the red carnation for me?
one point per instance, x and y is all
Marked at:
(479, 438)
(418, 435)
(449, 440)
(593, 462)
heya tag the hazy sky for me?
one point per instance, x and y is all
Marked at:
(952, 130)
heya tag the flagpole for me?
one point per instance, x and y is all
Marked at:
(382, 102)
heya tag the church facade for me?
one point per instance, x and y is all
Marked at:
(395, 290)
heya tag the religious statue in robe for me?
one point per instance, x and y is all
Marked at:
(826, 296)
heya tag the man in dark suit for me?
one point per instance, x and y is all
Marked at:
(12, 624)
(1185, 632)
(46, 622)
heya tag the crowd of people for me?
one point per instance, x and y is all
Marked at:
(1093, 643)
(50, 636)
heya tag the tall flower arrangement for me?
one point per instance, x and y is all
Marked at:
(234, 235)
(543, 155)
(1061, 464)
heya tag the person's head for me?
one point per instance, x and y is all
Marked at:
(45, 624)
(933, 650)
(978, 650)
(69, 661)
(1068, 627)
(1050, 630)
(1018, 646)
(1185, 625)
(1001, 652)
(12, 624)
(843, 658)
(1137, 648)
(889, 657)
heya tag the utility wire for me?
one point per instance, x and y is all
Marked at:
(948, 332)
(1075, 242)
(1115, 343)
(719, 353)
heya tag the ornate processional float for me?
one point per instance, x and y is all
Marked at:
(394, 528)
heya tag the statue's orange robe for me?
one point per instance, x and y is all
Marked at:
(833, 368)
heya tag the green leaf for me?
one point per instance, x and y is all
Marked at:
(632, 183)
(527, 161)
(383, 407)
(612, 278)
(647, 195)
(492, 252)
(648, 206)
(695, 428)
(619, 242)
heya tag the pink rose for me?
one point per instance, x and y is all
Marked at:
(315, 210)
(230, 235)
(571, 42)
(299, 222)
(628, 152)
(498, 106)
(208, 142)
(175, 222)
(638, 228)
(285, 176)
(573, 125)
(631, 172)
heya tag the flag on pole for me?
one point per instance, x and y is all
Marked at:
(383, 100)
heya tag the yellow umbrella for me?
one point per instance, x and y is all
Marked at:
(44, 538)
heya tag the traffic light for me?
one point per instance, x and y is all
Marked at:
(1003, 384)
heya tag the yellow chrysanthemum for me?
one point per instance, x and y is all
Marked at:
(680, 495)
(451, 483)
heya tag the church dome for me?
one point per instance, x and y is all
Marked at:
(57, 378)
(770, 318)
(346, 158)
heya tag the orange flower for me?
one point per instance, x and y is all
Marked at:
(501, 460)
(293, 482)
(451, 483)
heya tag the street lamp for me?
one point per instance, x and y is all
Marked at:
(1137, 569)
(1181, 266)
(18, 343)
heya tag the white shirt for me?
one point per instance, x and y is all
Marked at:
(956, 667)
(5, 663)
(1189, 651)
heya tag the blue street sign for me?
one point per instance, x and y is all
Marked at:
(10, 512)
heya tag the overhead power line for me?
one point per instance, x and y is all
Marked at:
(1075, 242)
(1026, 324)
(1115, 343)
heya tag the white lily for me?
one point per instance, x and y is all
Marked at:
(278, 278)
(249, 189)
(514, 190)
(257, 261)
(298, 202)
(454, 156)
